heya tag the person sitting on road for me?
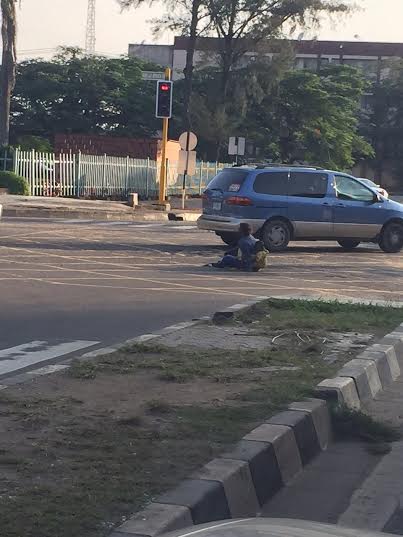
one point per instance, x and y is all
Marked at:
(247, 255)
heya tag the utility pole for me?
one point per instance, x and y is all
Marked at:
(90, 39)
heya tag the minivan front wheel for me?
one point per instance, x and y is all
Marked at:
(391, 240)
(276, 235)
(348, 244)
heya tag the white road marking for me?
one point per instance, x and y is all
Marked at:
(48, 369)
(73, 221)
(35, 352)
(115, 223)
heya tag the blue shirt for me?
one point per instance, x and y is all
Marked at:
(247, 247)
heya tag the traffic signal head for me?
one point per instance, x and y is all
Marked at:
(164, 99)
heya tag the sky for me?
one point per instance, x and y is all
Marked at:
(46, 24)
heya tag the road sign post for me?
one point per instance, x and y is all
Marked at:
(161, 108)
(187, 159)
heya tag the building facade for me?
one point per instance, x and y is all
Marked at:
(367, 56)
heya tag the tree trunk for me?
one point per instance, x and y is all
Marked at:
(188, 71)
(8, 67)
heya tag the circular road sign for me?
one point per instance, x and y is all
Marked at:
(188, 144)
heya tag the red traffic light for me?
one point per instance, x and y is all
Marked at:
(164, 87)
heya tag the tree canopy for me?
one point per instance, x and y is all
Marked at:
(83, 94)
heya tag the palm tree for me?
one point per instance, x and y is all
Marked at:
(8, 66)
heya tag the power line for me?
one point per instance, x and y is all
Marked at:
(90, 39)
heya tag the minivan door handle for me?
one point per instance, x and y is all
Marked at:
(340, 205)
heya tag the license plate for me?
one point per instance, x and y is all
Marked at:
(217, 205)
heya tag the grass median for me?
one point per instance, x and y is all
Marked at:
(81, 450)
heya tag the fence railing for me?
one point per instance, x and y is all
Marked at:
(93, 176)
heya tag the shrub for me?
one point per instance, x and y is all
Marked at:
(14, 183)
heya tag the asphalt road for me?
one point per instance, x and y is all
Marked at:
(66, 286)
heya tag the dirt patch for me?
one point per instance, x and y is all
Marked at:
(83, 449)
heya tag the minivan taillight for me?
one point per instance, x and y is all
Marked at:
(238, 200)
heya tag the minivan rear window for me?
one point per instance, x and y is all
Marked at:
(228, 180)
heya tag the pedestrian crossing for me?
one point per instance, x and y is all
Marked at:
(37, 353)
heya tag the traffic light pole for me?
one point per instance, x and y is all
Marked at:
(163, 172)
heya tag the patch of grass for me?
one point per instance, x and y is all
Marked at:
(279, 314)
(80, 369)
(348, 423)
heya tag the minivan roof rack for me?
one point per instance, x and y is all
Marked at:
(282, 165)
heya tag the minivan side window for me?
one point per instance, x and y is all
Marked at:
(273, 183)
(351, 190)
(308, 185)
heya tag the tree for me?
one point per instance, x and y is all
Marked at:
(290, 116)
(242, 25)
(185, 16)
(8, 66)
(83, 94)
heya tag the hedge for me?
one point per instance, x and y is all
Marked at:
(14, 183)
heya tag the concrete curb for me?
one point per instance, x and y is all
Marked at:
(363, 378)
(85, 214)
(238, 483)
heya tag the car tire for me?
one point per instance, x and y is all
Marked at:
(276, 235)
(391, 240)
(229, 238)
(348, 245)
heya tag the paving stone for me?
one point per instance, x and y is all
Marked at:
(340, 389)
(304, 430)
(157, 518)
(319, 412)
(205, 499)
(263, 465)
(365, 375)
(236, 479)
(285, 447)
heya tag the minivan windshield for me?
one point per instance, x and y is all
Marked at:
(228, 180)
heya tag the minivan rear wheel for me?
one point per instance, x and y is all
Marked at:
(391, 240)
(229, 238)
(276, 235)
(348, 244)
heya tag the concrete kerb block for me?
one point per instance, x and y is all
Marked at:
(155, 519)
(304, 431)
(319, 412)
(206, 500)
(365, 375)
(264, 468)
(396, 340)
(342, 390)
(386, 362)
(391, 356)
(235, 476)
(285, 447)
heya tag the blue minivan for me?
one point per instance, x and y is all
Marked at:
(284, 203)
